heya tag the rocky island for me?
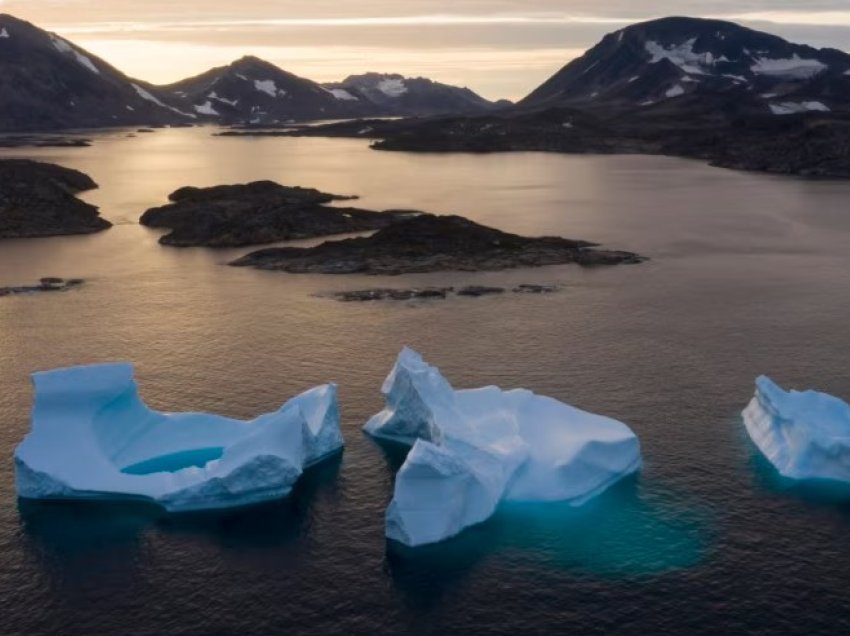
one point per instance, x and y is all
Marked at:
(257, 213)
(428, 243)
(46, 284)
(38, 199)
(430, 293)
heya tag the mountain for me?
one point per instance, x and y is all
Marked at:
(48, 83)
(687, 61)
(684, 87)
(396, 95)
(254, 91)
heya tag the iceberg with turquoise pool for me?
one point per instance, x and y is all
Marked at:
(472, 449)
(804, 434)
(93, 438)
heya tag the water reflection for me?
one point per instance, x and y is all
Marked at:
(88, 544)
(821, 492)
(620, 533)
(626, 532)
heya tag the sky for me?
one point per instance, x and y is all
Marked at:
(499, 48)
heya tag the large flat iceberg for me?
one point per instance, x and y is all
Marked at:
(92, 437)
(805, 435)
(475, 448)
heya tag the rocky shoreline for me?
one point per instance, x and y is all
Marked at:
(428, 293)
(811, 144)
(429, 243)
(47, 284)
(257, 213)
(38, 200)
(43, 141)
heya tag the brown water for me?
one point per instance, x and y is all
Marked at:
(750, 274)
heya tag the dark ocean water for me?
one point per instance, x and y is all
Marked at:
(750, 274)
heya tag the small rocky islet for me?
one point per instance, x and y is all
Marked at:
(46, 284)
(43, 141)
(39, 199)
(428, 293)
(257, 213)
(430, 243)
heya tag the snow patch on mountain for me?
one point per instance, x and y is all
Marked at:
(790, 108)
(216, 97)
(65, 47)
(392, 87)
(269, 88)
(206, 109)
(149, 97)
(794, 67)
(342, 95)
(4, 34)
(683, 56)
(677, 90)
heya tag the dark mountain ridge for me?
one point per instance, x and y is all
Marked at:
(49, 83)
(673, 58)
(396, 95)
(686, 87)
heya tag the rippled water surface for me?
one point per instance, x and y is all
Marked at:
(750, 274)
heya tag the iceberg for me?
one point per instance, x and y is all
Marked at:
(93, 437)
(804, 434)
(472, 449)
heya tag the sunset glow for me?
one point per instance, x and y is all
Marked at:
(500, 49)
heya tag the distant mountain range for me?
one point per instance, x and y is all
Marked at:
(686, 87)
(401, 96)
(708, 89)
(253, 91)
(48, 83)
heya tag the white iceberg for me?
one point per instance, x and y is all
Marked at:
(475, 448)
(805, 435)
(92, 437)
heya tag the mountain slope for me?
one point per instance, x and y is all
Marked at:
(254, 91)
(396, 95)
(680, 58)
(47, 82)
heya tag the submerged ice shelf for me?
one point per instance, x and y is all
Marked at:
(475, 448)
(92, 437)
(805, 435)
